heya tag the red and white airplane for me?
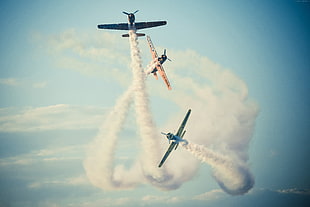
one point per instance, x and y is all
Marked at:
(132, 25)
(158, 63)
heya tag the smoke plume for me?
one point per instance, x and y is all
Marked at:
(148, 132)
(233, 176)
(222, 120)
(99, 163)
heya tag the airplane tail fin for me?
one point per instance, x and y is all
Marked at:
(138, 34)
(155, 75)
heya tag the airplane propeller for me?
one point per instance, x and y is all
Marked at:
(166, 136)
(130, 13)
(166, 55)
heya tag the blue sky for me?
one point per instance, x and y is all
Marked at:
(60, 77)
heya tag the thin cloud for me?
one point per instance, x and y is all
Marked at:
(102, 55)
(42, 84)
(154, 199)
(11, 161)
(53, 117)
(121, 201)
(299, 191)
(9, 81)
(210, 195)
(45, 155)
(22, 82)
(72, 181)
(294, 191)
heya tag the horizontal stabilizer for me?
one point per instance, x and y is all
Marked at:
(138, 34)
(155, 75)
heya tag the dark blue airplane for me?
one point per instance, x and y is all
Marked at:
(132, 25)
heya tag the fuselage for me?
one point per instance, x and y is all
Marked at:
(131, 21)
(131, 18)
(174, 138)
(160, 60)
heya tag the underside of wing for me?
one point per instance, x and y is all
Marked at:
(167, 154)
(152, 48)
(121, 26)
(181, 128)
(143, 25)
(163, 75)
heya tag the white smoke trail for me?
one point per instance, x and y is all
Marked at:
(150, 67)
(99, 163)
(233, 176)
(150, 141)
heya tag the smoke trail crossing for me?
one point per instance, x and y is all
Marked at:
(99, 163)
(144, 119)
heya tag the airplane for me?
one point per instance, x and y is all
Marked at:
(131, 25)
(175, 139)
(159, 61)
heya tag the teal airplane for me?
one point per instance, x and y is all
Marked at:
(132, 25)
(175, 139)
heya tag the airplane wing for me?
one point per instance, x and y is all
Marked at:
(152, 48)
(143, 25)
(162, 73)
(172, 145)
(181, 128)
(121, 26)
